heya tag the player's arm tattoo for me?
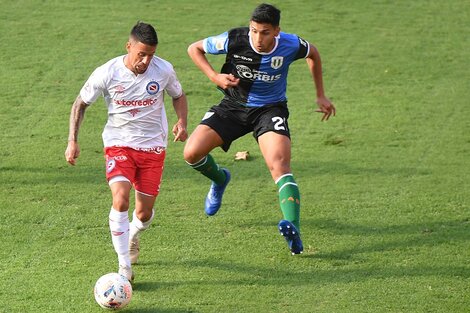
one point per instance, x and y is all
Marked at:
(76, 117)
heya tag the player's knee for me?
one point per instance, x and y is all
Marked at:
(190, 155)
(280, 164)
(277, 170)
(144, 216)
(120, 203)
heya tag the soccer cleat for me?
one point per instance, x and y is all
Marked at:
(127, 272)
(134, 249)
(292, 236)
(214, 197)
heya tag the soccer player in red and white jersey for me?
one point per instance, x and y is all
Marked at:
(135, 135)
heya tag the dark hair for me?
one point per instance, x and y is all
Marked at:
(144, 33)
(266, 14)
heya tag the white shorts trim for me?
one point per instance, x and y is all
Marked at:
(118, 178)
(145, 194)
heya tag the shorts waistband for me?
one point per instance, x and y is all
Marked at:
(158, 149)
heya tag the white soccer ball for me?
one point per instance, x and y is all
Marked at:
(113, 291)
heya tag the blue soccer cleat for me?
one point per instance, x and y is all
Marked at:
(292, 235)
(214, 197)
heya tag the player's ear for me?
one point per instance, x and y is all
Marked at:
(277, 30)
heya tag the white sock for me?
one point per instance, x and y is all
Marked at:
(119, 227)
(136, 226)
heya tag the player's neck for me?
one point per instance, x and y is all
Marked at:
(129, 66)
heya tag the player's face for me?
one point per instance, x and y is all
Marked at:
(138, 56)
(263, 36)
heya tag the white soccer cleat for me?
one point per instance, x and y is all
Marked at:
(127, 272)
(134, 249)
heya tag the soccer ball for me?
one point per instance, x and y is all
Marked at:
(113, 291)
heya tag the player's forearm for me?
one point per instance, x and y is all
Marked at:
(197, 54)
(315, 66)
(77, 114)
(181, 109)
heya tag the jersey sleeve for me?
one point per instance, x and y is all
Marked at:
(173, 87)
(304, 48)
(216, 44)
(93, 87)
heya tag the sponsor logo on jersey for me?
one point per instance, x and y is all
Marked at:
(134, 112)
(152, 87)
(244, 71)
(247, 73)
(119, 89)
(276, 62)
(142, 103)
(244, 58)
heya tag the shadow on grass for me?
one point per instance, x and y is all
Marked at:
(337, 168)
(425, 234)
(352, 264)
(156, 310)
(375, 238)
(286, 276)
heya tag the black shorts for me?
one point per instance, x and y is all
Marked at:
(232, 121)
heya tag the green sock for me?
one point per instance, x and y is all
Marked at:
(289, 199)
(210, 169)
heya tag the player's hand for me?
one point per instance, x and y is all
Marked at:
(180, 132)
(226, 80)
(72, 152)
(326, 107)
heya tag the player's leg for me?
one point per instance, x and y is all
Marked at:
(120, 172)
(275, 146)
(119, 224)
(276, 150)
(142, 217)
(196, 153)
(273, 135)
(147, 185)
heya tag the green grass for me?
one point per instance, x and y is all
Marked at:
(385, 184)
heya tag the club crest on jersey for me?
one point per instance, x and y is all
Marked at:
(152, 87)
(276, 62)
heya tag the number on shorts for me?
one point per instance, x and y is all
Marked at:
(278, 123)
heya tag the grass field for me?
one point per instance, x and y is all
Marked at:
(385, 184)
